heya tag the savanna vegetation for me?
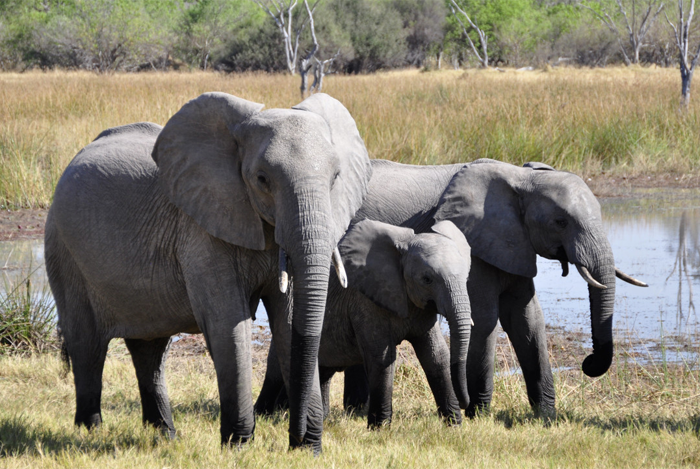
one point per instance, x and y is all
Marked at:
(614, 120)
(364, 35)
(637, 415)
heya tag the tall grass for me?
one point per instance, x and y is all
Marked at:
(623, 120)
(27, 317)
(635, 416)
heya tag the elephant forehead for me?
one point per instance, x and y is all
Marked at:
(569, 192)
(436, 252)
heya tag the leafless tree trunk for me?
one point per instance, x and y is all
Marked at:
(681, 34)
(483, 39)
(306, 64)
(635, 35)
(322, 68)
(283, 15)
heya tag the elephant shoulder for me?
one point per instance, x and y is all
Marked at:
(134, 130)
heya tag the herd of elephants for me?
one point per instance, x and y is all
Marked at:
(157, 230)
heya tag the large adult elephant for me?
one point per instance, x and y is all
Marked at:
(155, 231)
(509, 215)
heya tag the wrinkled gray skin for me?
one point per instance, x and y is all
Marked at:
(398, 281)
(509, 215)
(158, 231)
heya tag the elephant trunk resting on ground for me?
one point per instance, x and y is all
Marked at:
(509, 215)
(158, 231)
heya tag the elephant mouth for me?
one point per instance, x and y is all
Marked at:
(564, 259)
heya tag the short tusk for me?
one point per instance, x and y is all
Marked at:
(589, 278)
(472, 321)
(623, 276)
(284, 276)
(340, 268)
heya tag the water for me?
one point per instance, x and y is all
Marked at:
(650, 233)
(654, 237)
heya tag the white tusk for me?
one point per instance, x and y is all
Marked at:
(284, 276)
(623, 276)
(472, 321)
(589, 278)
(340, 268)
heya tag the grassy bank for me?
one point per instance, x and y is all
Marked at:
(635, 416)
(588, 121)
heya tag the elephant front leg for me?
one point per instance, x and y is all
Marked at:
(522, 319)
(484, 288)
(273, 386)
(380, 372)
(434, 357)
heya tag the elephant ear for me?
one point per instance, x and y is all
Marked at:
(482, 202)
(350, 187)
(373, 263)
(450, 231)
(536, 165)
(200, 169)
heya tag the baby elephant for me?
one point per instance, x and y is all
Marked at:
(398, 282)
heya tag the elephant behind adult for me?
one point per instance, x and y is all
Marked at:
(509, 215)
(399, 282)
(158, 231)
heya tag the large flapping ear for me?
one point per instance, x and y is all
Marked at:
(483, 203)
(373, 263)
(450, 231)
(200, 168)
(350, 187)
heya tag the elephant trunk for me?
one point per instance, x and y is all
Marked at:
(458, 313)
(310, 245)
(601, 266)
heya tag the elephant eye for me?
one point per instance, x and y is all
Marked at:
(263, 181)
(335, 179)
(562, 223)
(427, 280)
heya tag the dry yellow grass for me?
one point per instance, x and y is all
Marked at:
(588, 121)
(634, 416)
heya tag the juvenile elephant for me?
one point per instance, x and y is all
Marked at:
(509, 215)
(155, 231)
(399, 282)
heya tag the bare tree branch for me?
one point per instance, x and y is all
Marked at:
(483, 39)
(681, 32)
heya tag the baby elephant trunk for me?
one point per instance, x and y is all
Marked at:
(457, 310)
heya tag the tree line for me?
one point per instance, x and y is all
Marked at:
(359, 35)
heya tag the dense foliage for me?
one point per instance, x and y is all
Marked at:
(364, 35)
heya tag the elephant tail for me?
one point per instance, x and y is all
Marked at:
(65, 358)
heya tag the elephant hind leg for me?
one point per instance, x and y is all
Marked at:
(355, 389)
(149, 360)
(83, 342)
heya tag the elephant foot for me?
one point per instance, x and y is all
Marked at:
(478, 409)
(548, 414)
(89, 421)
(236, 440)
(452, 419)
(306, 444)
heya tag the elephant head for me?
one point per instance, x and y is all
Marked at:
(393, 266)
(510, 214)
(294, 177)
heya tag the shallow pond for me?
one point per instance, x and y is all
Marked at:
(654, 236)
